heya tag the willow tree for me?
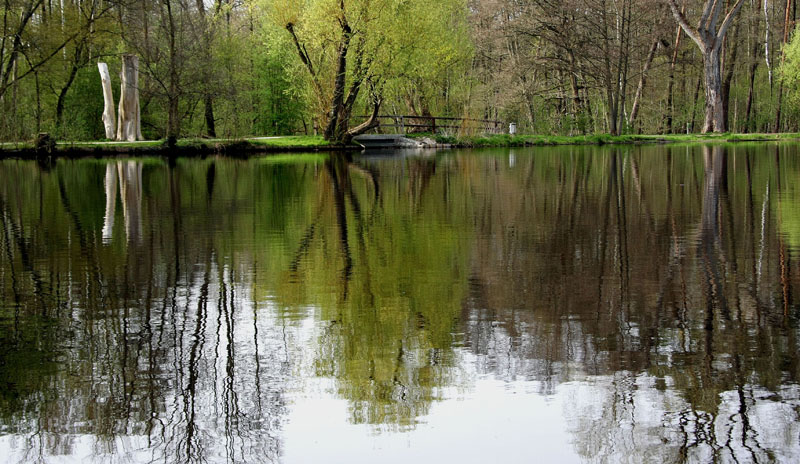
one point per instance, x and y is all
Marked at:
(352, 47)
(709, 35)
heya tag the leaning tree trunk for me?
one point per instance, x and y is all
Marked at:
(128, 119)
(642, 82)
(109, 118)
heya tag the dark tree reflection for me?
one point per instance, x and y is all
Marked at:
(141, 338)
(659, 275)
(398, 280)
(175, 311)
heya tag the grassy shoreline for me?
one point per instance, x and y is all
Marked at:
(183, 147)
(504, 140)
(307, 144)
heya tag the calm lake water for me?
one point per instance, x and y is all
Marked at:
(574, 304)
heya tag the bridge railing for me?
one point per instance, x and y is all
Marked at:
(404, 124)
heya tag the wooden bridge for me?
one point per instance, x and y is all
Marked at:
(401, 125)
(414, 124)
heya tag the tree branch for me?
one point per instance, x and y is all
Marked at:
(715, 15)
(689, 30)
(727, 23)
(301, 50)
(370, 123)
(703, 22)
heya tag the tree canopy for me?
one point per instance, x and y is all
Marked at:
(280, 67)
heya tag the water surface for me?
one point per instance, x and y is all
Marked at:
(573, 304)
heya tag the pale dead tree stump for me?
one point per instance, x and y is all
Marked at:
(109, 118)
(129, 114)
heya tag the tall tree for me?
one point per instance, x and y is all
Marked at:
(371, 40)
(342, 99)
(709, 35)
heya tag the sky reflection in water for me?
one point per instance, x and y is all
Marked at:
(560, 304)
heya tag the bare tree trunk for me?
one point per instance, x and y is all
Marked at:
(624, 54)
(173, 119)
(728, 79)
(173, 92)
(211, 126)
(694, 101)
(710, 39)
(671, 85)
(38, 103)
(766, 42)
(62, 95)
(109, 118)
(610, 83)
(208, 98)
(573, 81)
(333, 130)
(128, 125)
(642, 81)
(715, 109)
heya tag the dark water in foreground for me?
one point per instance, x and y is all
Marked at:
(551, 305)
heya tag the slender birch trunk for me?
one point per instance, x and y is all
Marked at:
(766, 41)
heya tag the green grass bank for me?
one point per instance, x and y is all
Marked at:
(505, 140)
(310, 144)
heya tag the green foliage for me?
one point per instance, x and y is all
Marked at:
(279, 95)
(385, 55)
(492, 60)
(789, 71)
(84, 107)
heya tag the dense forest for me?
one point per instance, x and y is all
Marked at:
(231, 68)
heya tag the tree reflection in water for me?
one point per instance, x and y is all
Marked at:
(651, 285)
(146, 343)
(647, 290)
